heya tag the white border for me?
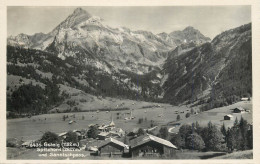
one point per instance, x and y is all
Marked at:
(255, 9)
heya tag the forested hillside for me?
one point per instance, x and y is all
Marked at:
(217, 73)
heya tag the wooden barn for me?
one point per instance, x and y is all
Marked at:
(228, 117)
(151, 146)
(112, 147)
(239, 110)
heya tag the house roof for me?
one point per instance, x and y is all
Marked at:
(146, 138)
(113, 141)
(229, 115)
(26, 143)
(62, 134)
(117, 130)
(112, 123)
(104, 134)
(240, 108)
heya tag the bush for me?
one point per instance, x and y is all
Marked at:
(178, 141)
(50, 137)
(140, 120)
(92, 132)
(140, 132)
(13, 142)
(163, 132)
(71, 137)
(178, 117)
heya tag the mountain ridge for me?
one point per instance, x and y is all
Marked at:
(182, 67)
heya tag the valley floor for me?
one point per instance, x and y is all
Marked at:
(162, 115)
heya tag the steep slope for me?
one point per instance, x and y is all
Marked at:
(37, 81)
(218, 72)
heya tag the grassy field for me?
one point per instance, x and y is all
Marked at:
(33, 128)
(15, 153)
(248, 154)
(216, 116)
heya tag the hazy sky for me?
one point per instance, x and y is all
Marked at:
(210, 20)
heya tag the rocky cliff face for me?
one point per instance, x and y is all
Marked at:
(212, 71)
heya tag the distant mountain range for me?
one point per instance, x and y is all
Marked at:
(179, 67)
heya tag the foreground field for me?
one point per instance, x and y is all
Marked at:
(15, 153)
(248, 154)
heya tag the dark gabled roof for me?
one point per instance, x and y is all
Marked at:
(240, 108)
(229, 115)
(147, 138)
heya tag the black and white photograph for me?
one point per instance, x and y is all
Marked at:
(129, 83)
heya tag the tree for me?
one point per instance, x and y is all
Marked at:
(213, 138)
(71, 137)
(140, 120)
(163, 132)
(92, 132)
(243, 127)
(184, 131)
(192, 111)
(50, 137)
(187, 115)
(250, 137)
(178, 117)
(140, 132)
(178, 140)
(224, 131)
(195, 142)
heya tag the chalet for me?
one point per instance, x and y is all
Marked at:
(151, 146)
(228, 117)
(103, 135)
(239, 110)
(118, 131)
(112, 147)
(104, 128)
(115, 133)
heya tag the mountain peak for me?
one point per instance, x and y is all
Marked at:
(189, 29)
(79, 11)
(79, 15)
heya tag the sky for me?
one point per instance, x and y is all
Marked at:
(209, 20)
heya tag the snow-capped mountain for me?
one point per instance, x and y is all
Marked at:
(86, 36)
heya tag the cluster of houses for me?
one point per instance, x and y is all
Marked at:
(146, 145)
(110, 143)
(236, 110)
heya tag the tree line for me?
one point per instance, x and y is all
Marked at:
(211, 138)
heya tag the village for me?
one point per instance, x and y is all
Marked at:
(126, 135)
(111, 141)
